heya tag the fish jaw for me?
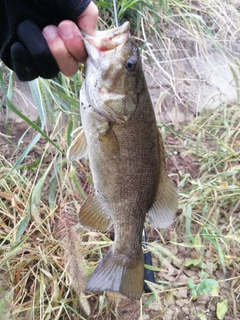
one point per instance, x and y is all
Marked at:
(107, 40)
(109, 87)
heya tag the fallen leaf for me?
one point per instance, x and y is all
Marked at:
(222, 308)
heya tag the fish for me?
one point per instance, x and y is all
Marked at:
(120, 136)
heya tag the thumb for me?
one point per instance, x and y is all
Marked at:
(87, 21)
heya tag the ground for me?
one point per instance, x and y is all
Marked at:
(180, 267)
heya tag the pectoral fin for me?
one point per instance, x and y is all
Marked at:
(93, 216)
(78, 147)
(108, 139)
(164, 208)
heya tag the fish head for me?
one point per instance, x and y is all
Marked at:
(113, 73)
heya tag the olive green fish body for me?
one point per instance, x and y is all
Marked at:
(125, 165)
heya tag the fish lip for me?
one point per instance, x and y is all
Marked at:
(107, 39)
(109, 32)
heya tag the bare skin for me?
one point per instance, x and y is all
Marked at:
(65, 41)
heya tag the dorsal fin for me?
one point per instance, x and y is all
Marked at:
(164, 208)
(78, 147)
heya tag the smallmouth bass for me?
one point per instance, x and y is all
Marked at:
(127, 159)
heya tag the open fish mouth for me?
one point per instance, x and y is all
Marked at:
(108, 39)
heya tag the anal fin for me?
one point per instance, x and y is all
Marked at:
(93, 216)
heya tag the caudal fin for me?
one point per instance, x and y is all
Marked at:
(116, 274)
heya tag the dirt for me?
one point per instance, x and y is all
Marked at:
(176, 300)
(11, 144)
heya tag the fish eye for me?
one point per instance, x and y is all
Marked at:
(130, 64)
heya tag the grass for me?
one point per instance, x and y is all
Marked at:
(39, 230)
(45, 256)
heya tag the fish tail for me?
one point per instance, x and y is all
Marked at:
(118, 274)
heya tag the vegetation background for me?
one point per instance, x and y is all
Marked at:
(190, 51)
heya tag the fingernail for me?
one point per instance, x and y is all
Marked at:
(50, 32)
(66, 30)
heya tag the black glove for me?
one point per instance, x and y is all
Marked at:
(22, 45)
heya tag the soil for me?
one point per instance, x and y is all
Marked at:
(176, 299)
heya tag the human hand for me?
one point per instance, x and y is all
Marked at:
(24, 48)
(65, 41)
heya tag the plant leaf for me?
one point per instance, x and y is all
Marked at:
(222, 308)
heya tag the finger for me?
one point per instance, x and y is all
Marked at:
(22, 63)
(87, 21)
(67, 64)
(72, 38)
(37, 54)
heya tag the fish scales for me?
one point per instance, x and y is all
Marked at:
(127, 159)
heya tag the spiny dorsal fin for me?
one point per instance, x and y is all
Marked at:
(76, 132)
(78, 147)
(164, 208)
(93, 216)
